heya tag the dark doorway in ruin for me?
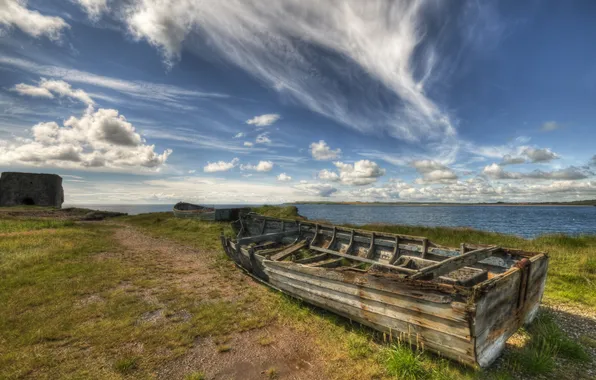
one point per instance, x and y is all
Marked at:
(28, 202)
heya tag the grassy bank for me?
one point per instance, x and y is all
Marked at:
(88, 300)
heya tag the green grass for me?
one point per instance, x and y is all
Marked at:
(195, 376)
(14, 225)
(126, 365)
(404, 363)
(284, 212)
(73, 301)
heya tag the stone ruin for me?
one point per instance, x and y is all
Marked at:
(17, 189)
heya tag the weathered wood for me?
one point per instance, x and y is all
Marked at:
(453, 263)
(371, 249)
(329, 263)
(395, 254)
(362, 259)
(424, 247)
(289, 251)
(469, 322)
(274, 235)
(312, 259)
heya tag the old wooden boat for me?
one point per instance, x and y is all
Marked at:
(462, 303)
(189, 210)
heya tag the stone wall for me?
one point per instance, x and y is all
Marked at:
(31, 189)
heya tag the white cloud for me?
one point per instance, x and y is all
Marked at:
(540, 155)
(14, 13)
(284, 177)
(239, 135)
(192, 171)
(550, 126)
(318, 189)
(248, 144)
(34, 91)
(157, 92)
(327, 175)
(433, 172)
(321, 151)
(263, 138)
(220, 166)
(262, 166)
(512, 160)
(93, 8)
(263, 120)
(99, 139)
(495, 171)
(363, 172)
(53, 87)
(273, 42)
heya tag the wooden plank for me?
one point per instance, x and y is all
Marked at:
(417, 307)
(361, 259)
(424, 248)
(308, 260)
(288, 251)
(427, 291)
(454, 263)
(371, 249)
(329, 263)
(273, 235)
(450, 344)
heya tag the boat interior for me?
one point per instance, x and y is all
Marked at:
(346, 249)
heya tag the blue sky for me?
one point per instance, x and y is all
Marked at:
(146, 101)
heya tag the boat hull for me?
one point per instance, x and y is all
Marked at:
(468, 320)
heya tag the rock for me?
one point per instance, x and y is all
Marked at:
(101, 215)
(29, 189)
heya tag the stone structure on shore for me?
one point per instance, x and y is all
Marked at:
(31, 189)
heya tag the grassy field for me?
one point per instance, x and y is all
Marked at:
(87, 300)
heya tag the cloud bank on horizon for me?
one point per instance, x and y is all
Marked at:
(247, 101)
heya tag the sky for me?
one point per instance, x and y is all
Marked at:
(252, 101)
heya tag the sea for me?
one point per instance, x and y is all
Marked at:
(524, 221)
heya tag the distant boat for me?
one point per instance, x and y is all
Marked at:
(192, 211)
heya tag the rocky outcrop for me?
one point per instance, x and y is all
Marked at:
(18, 189)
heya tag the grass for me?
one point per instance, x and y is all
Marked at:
(404, 363)
(12, 225)
(284, 212)
(74, 300)
(126, 365)
(195, 376)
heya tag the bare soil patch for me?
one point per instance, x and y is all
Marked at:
(274, 350)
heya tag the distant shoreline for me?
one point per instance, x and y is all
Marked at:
(568, 204)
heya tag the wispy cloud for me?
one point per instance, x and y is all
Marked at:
(496, 171)
(137, 89)
(275, 42)
(14, 13)
(550, 126)
(48, 88)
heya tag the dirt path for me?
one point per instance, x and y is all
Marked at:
(270, 352)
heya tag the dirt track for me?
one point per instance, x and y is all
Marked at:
(292, 354)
